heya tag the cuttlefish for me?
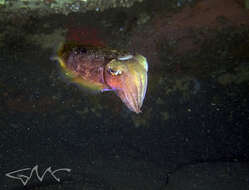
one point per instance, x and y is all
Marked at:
(104, 69)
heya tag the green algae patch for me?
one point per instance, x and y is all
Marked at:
(240, 75)
(185, 86)
(226, 79)
(165, 116)
(247, 4)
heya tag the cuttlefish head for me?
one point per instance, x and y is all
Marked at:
(127, 75)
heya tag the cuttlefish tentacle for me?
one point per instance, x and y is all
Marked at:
(131, 85)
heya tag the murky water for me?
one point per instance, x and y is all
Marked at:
(193, 129)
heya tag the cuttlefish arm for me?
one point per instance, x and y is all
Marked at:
(128, 76)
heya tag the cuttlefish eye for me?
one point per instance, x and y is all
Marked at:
(114, 72)
(116, 67)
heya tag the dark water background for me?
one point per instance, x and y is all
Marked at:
(196, 109)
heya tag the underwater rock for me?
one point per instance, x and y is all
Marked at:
(45, 7)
